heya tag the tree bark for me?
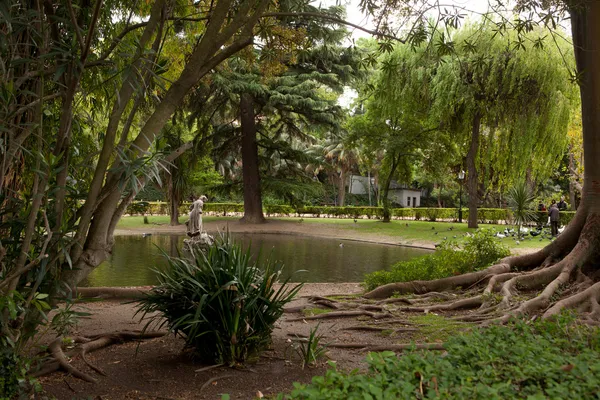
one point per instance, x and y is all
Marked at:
(572, 196)
(342, 188)
(369, 186)
(585, 31)
(386, 190)
(472, 170)
(253, 213)
(174, 202)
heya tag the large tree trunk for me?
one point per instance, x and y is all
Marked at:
(174, 212)
(472, 170)
(572, 189)
(253, 213)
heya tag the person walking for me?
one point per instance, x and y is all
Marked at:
(554, 214)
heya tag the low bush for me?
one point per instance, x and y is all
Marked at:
(479, 251)
(223, 302)
(484, 215)
(555, 360)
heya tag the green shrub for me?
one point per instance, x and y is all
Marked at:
(10, 370)
(479, 251)
(223, 302)
(557, 360)
(279, 209)
(484, 215)
(138, 207)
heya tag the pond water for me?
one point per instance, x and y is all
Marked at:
(324, 260)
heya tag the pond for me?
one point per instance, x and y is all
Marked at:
(324, 260)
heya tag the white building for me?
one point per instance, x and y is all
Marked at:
(400, 194)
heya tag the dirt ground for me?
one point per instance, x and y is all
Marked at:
(160, 369)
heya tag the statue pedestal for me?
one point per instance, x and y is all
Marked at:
(198, 242)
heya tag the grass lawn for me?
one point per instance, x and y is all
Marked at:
(406, 230)
(423, 231)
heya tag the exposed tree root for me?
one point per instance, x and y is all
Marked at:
(343, 314)
(378, 329)
(471, 302)
(60, 359)
(387, 347)
(563, 275)
(214, 379)
(591, 295)
(113, 292)
(56, 351)
(439, 285)
(395, 300)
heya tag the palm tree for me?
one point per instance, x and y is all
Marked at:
(343, 159)
(520, 199)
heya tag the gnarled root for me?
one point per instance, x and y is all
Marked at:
(59, 359)
(439, 285)
(563, 275)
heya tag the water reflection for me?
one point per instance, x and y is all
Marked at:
(326, 260)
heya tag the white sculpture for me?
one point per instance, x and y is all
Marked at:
(194, 225)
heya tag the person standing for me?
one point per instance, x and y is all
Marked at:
(554, 214)
(562, 204)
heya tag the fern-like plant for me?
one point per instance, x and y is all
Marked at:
(520, 200)
(222, 301)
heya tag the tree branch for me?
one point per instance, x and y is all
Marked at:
(335, 19)
(75, 25)
(90, 35)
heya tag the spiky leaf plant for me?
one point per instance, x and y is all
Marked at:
(223, 302)
(520, 200)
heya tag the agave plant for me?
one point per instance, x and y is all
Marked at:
(221, 301)
(520, 200)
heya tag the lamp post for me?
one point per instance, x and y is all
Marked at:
(461, 176)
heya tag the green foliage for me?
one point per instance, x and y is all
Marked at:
(12, 370)
(224, 303)
(479, 251)
(312, 349)
(557, 360)
(520, 200)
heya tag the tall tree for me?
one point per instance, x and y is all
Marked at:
(289, 101)
(501, 91)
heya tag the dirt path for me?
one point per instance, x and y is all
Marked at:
(160, 368)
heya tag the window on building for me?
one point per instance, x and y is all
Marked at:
(408, 201)
(414, 201)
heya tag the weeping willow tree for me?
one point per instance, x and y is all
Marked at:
(508, 96)
(504, 99)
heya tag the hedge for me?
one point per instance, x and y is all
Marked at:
(484, 215)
